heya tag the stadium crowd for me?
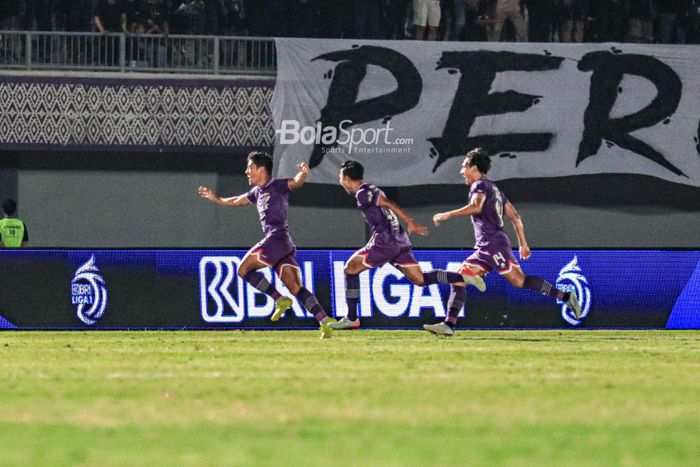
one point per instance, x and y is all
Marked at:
(642, 21)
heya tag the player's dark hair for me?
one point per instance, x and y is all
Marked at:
(480, 158)
(261, 159)
(9, 207)
(353, 170)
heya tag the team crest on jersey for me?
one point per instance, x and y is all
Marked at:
(571, 278)
(89, 292)
(263, 204)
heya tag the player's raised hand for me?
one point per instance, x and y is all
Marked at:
(205, 192)
(440, 217)
(414, 227)
(300, 178)
(524, 252)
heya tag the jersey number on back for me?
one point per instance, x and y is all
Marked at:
(393, 220)
(499, 205)
(390, 216)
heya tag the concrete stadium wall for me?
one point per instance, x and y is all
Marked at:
(150, 200)
(156, 209)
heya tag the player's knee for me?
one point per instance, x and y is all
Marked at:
(349, 269)
(518, 282)
(242, 272)
(417, 280)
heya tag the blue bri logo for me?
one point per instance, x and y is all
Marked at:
(89, 293)
(571, 278)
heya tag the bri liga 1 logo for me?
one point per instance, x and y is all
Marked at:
(89, 292)
(571, 278)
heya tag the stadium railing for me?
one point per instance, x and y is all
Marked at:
(34, 50)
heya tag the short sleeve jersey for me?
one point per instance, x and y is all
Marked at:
(110, 14)
(272, 201)
(13, 232)
(488, 225)
(382, 221)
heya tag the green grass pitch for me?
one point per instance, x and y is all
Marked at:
(379, 398)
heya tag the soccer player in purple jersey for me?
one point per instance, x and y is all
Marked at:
(389, 244)
(277, 249)
(487, 207)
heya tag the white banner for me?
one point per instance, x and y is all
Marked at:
(410, 110)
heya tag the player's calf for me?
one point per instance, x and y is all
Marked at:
(261, 283)
(312, 305)
(464, 276)
(543, 287)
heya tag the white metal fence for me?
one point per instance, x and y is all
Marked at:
(33, 50)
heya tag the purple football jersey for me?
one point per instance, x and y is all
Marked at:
(272, 201)
(382, 221)
(488, 225)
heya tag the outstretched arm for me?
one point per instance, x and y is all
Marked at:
(300, 178)
(411, 225)
(513, 216)
(98, 24)
(235, 201)
(474, 207)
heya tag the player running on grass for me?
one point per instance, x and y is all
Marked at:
(487, 206)
(277, 249)
(389, 244)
